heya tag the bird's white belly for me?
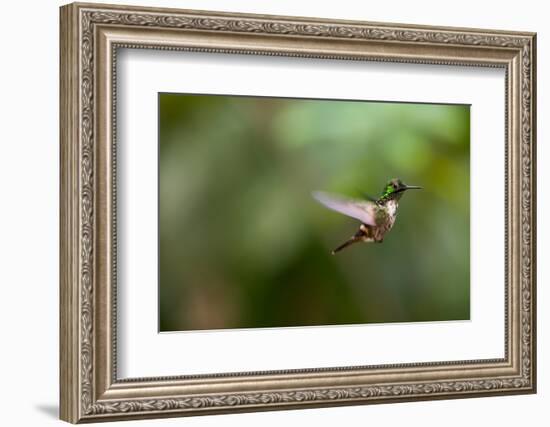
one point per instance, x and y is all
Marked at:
(392, 208)
(392, 212)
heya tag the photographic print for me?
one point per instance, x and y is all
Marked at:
(280, 212)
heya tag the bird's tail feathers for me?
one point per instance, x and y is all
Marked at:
(360, 236)
(347, 243)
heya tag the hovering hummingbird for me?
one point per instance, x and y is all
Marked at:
(377, 216)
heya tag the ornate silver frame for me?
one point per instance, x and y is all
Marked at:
(90, 36)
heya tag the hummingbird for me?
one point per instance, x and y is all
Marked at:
(377, 216)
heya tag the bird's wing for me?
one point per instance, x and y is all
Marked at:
(362, 210)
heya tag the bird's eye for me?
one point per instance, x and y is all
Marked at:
(394, 185)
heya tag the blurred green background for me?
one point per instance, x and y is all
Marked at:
(243, 244)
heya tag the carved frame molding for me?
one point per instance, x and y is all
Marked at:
(90, 37)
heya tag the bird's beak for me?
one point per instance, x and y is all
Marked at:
(413, 187)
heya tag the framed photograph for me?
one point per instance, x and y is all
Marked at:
(265, 212)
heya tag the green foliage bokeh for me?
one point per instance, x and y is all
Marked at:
(243, 244)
